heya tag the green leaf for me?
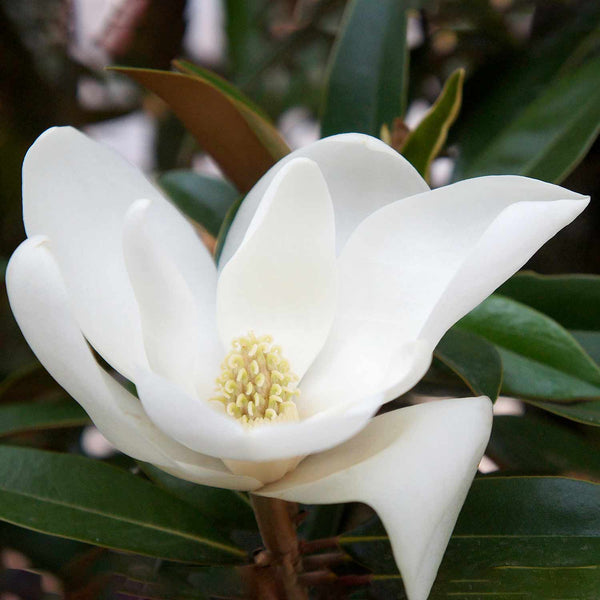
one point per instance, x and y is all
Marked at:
(587, 413)
(244, 28)
(540, 358)
(590, 342)
(539, 445)
(572, 300)
(86, 500)
(242, 142)
(227, 508)
(425, 142)
(551, 135)
(368, 69)
(529, 537)
(502, 95)
(204, 199)
(473, 359)
(29, 416)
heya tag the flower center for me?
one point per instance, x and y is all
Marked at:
(256, 384)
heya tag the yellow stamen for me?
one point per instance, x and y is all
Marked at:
(256, 384)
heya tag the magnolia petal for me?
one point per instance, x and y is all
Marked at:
(210, 471)
(203, 428)
(403, 262)
(415, 267)
(362, 174)
(41, 306)
(364, 367)
(414, 466)
(77, 192)
(178, 334)
(282, 279)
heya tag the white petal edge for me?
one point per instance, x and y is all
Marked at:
(414, 466)
(415, 267)
(179, 335)
(202, 428)
(282, 280)
(77, 191)
(41, 306)
(194, 422)
(362, 173)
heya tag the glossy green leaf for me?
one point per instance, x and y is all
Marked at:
(86, 500)
(572, 300)
(425, 142)
(536, 445)
(227, 508)
(499, 96)
(204, 199)
(368, 69)
(590, 342)
(245, 35)
(540, 358)
(530, 537)
(29, 416)
(242, 142)
(473, 359)
(582, 412)
(551, 135)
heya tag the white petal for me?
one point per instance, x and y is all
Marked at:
(178, 334)
(401, 261)
(196, 424)
(362, 360)
(40, 304)
(206, 470)
(415, 267)
(282, 279)
(414, 466)
(77, 192)
(362, 174)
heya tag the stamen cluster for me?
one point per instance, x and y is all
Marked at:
(256, 383)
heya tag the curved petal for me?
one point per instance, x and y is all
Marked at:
(196, 424)
(415, 267)
(362, 174)
(369, 364)
(206, 470)
(178, 334)
(77, 192)
(40, 304)
(282, 280)
(414, 466)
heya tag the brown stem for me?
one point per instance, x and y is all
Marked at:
(318, 545)
(324, 561)
(318, 577)
(276, 522)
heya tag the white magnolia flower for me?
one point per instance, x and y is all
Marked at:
(340, 274)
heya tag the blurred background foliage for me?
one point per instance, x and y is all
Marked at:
(530, 105)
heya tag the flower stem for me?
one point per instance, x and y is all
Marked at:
(277, 524)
